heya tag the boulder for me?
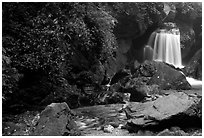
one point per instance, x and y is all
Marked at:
(122, 73)
(168, 132)
(137, 94)
(55, 120)
(176, 109)
(108, 128)
(158, 73)
(140, 92)
(136, 87)
(168, 77)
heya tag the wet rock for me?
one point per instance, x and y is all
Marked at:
(120, 75)
(137, 94)
(143, 92)
(138, 89)
(55, 120)
(175, 109)
(115, 124)
(147, 69)
(108, 129)
(167, 77)
(168, 132)
(134, 81)
(150, 73)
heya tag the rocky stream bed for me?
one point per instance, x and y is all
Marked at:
(175, 113)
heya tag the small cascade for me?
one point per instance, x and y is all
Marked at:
(197, 84)
(148, 52)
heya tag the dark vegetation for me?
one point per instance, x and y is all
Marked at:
(52, 52)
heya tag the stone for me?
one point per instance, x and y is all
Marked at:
(147, 69)
(175, 109)
(167, 132)
(136, 94)
(114, 124)
(55, 120)
(108, 128)
(120, 75)
(168, 77)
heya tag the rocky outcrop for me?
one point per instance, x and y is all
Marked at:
(55, 120)
(194, 68)
(187, 38)
(161, 74)
(149, 78)
(176, 109)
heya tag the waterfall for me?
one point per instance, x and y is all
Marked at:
(166, 46)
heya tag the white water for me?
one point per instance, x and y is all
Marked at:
(194, 83)
(167, 47)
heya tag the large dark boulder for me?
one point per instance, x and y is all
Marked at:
(159, 73)
(168, 77)
(139, 93)
(194, 67)
(56, 120)
(176, 109)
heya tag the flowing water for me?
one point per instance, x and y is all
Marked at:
(196, 84)
(164, 46)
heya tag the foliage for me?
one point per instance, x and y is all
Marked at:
(10, 76)
(45, 36)
(190, 8)
(144, 12)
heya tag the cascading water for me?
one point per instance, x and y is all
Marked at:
(164, 45)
